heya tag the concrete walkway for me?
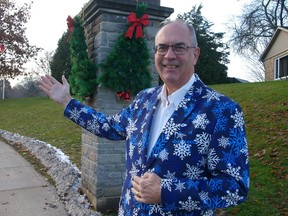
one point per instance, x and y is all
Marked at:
(22, 190)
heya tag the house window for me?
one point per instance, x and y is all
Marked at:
(281, 67)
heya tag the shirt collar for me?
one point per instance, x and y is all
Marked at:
(176, 97)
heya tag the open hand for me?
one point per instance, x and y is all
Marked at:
(58, 92)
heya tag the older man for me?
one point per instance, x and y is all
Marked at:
(186, 145)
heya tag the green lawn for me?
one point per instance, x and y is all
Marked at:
(265, 107)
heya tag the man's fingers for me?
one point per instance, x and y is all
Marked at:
(64, 80)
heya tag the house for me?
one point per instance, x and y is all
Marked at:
(275, 56)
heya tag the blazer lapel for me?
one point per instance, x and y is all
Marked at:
(179, 117)
(147, 121)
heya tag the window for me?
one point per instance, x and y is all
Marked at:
(281, 68)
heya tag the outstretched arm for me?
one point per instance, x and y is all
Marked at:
(58, 92)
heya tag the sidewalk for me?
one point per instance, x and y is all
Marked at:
(22, 190)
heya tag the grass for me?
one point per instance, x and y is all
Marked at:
(265, 107)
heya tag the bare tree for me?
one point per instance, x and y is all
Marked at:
(253, 29)
(43, 63)
(15, 48)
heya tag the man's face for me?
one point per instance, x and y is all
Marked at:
(175, 70)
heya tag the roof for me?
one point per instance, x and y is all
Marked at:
(273, 39)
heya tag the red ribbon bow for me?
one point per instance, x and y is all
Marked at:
(136, 23)
(70, 23)
(2, 48)
(124, 95)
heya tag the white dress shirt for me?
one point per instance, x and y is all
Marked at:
(165, 109)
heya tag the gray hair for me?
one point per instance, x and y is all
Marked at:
(189, 26)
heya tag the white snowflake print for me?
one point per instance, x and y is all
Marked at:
(238, 119)
(120, 211)
(189, 205)
(166, 183)
(192, 172)
(234, 172)
(190, 91)
(75, 114)
(130, 128)
(232, 198)
(182, 150)
(201, 121)
(203, 142)
(93, 126)
(128, 196)
(208, 213)
(136, 104)
(134, 171)
(183, 103)
(199, 90)
(246, 153)
(180, 135)
(156, 208)
(105, 127)
(131, 150)
(212, 95)
(202, 162)
(204, 196)
(223, 141)
(163, 155)
(84, 110)
(170, 175)
(139, 162)
(116, 118)
(180, 186)
(146, 105)
(213, 159)
(82, 123)
(171, 128)
(135, 211)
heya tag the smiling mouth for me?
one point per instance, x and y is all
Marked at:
(171, 66)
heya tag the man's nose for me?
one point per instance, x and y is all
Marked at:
(170, 53)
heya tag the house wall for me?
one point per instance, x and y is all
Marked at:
(269, 65)
(279, 46)
(278, 49)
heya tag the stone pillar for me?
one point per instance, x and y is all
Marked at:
(103, 161)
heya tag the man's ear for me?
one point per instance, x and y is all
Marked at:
(196, 54)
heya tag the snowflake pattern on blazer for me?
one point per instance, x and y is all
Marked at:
(201, 154)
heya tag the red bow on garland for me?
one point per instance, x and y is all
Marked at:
(2, 48)
(124, 95)
(70, 23)
(136, 23)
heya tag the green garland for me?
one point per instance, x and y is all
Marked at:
(83, 80)
(126, 67)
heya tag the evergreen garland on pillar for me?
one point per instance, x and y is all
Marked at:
(83, 80)
(126, 68)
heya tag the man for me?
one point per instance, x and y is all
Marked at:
(186, 145)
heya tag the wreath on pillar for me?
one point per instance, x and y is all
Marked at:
(125, 69)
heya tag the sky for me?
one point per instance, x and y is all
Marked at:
(48, 22)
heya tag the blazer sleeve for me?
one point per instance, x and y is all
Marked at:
(110, 127)
(227, 182)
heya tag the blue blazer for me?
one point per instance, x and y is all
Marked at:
(201, 154)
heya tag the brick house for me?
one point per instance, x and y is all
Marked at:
(275, 56)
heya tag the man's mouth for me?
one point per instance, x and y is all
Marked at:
(171, 66)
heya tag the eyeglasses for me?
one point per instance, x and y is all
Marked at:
(178, 49)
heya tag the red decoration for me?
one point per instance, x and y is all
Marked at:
(2, 48)
(70, 23)
(136, 23)
(124, 95)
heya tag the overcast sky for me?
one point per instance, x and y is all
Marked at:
(48, 21)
